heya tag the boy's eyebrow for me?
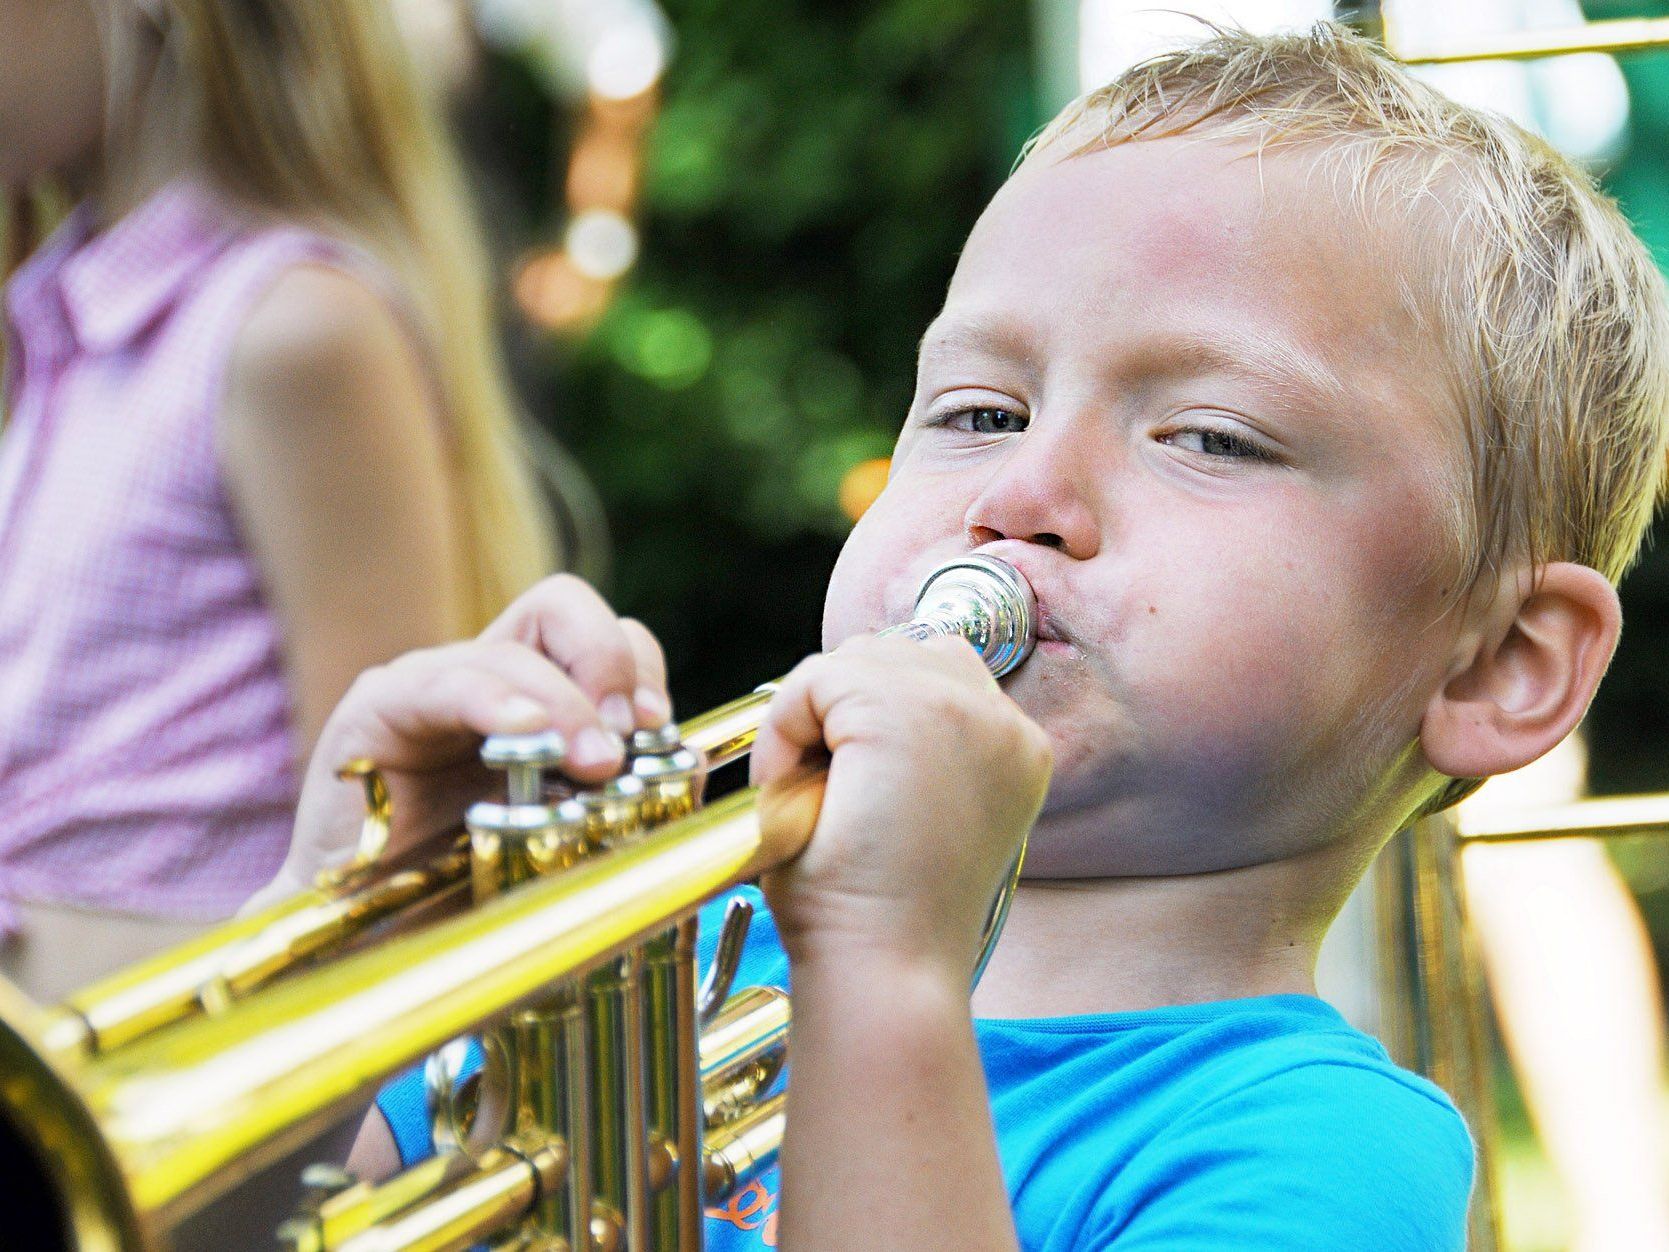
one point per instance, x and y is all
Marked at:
(1251, 354)
(1260, 358)
(967, 336)
(979, 336)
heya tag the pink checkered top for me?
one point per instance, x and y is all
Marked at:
(146, 756)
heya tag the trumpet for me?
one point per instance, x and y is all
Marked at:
(616, 1098)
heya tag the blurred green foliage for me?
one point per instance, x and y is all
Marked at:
(811, 176)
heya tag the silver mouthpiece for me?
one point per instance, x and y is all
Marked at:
(981, 599)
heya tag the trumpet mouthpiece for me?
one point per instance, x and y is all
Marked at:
(982, 599)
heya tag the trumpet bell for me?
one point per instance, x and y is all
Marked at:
(60, 1185)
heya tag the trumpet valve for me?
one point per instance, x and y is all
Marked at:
(670, 772)
(524, 759)
(614, 812)
(529, 835)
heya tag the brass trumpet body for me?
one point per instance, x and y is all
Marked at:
(631, 1098)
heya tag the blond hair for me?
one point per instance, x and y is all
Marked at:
(313, 111)
(1551, 311)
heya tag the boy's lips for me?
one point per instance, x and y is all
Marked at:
(1048, 626)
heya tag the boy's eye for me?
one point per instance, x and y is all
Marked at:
(991, 421)
(1216, 442)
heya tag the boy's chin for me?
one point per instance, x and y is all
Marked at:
(1093, 833)
(1079, 836)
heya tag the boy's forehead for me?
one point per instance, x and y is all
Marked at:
(1196, 249)
(1170, 217)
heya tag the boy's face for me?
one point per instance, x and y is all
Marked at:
(1180, 388)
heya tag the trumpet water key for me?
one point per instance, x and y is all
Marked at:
(613, 1097)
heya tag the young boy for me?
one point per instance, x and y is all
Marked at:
(1322, 415)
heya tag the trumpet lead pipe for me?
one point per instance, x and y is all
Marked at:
(726, 734)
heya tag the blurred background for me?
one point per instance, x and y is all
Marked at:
(722, 225)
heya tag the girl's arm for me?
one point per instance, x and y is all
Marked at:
(332, 448)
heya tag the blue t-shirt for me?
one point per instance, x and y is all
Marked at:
(1266, 1124)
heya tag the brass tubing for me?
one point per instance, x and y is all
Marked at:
(725, 734)
(687, 1091)
(740, 1150)
(538, 1074)
(661, 1050)
(742, 1051)
(608, 1087)
(635, 1088)
(1609, 816)
(1623, 34)
(505, 1186)
(750, 1019)
(193, 1109)
(363, 1205)
(238, 957)
(576, 1043)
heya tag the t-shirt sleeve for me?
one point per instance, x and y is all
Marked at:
(1317, 1158)
(404, 1104)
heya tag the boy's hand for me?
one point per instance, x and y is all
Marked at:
(934, 777)
(558, 658)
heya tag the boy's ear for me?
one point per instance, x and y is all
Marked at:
(1520, 689)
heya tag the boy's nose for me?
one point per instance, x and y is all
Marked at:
(1040, 494)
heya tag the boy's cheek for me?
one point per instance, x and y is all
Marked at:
(882, 563)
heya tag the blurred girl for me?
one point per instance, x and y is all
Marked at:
(256, 441)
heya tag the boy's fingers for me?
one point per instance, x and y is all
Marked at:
(650, 700)
(565, 619)
(432, 708)
(416, 725)
(826, 699)
(950, 655)
(594, 750)
(793, 725)
(839, 695)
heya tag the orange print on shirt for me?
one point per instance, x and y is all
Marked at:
(751, 1208)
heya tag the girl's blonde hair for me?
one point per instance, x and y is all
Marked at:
(1551, 312)
(312, 110)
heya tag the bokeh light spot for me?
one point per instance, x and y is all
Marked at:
(863, 482)
(669, 347)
